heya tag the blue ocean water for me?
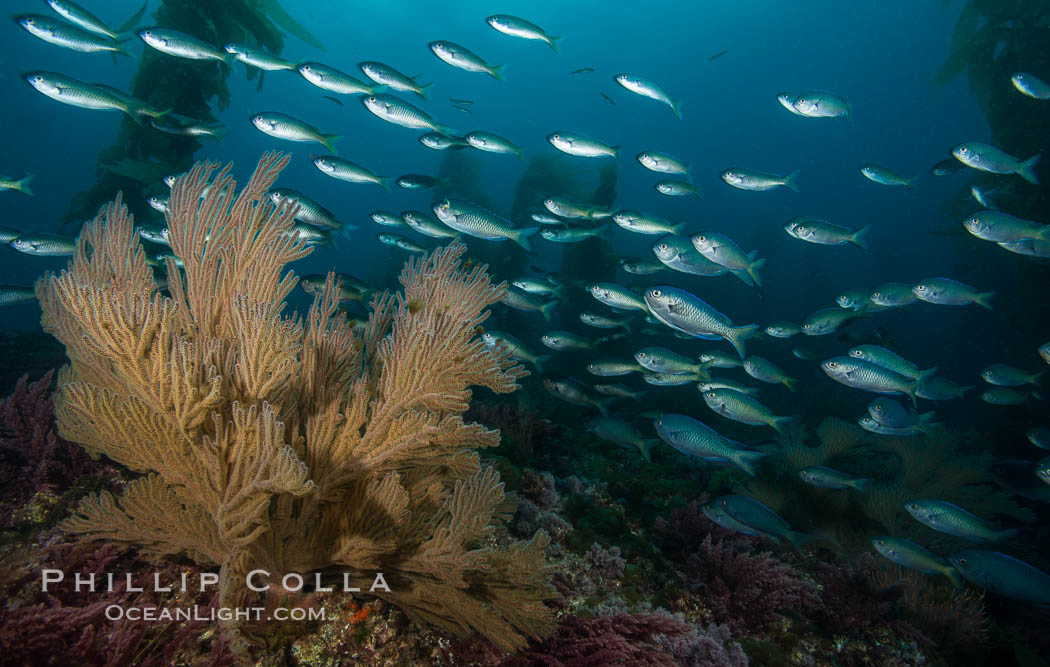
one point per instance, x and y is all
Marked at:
(881, 57)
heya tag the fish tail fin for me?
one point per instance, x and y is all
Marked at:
(1035, 377)
(984, 299)
(497, 72)
(217, 133)
(539, 361)
(135, 18)
(797, 539)
(752, 270)
(519, 151)
(689, 172)
(926, 373)
(1007, 534)
(737, 335)
(913, 394)
(616, 152)
(422, 92)
(445, 130)
(1026, 169)
(676, 107)
(791, 180)
(860, 237)
(228, 60)
(548, 308)
(384, 183)
(603, 405)
(328, 140)
(521, 237)
(779, 423)
(849, 113)
(646, 447)
(677, 229)
(22, 185)
(696, 193)
(910, 182)
(861, 484)
(790, 383)
(746, 460)
(552, 41)
(961, 391)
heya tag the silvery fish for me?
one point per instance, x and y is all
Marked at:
(442, 142)
(743, 408)
(950, 519)
(81, 17)
(825, 233)
(581, 146)
(764, 370)
(602, 321)
(1003, 574)
(865, 375)
(947, 292)
(255, 57)
(787, 100)
(645, 223)
(889, 412)
(723, 251)
(519, 27)
(721, 383)
(678, 254)
(1031, 85)
(615, 296)
(983, 196)
(890, 295)
(946, 167)
(829, 478)
(1044, 352)
(663, 163)
(492, 143)
(888, 359)
(329, 78)
(571, 234)
(612, 367)
(640, 267)
(826, 321)
(310, 211)
(515, 347)
(1000, 227)
(283, 126)
(884, 176)
(419, 181)
(619, 391)
(660, 360)
(985, 157)
(783, 329)
(68, 90)
(639, 85)
(345, 170)
(1039, 436)
(15, 294)
(67, 36)
(427, 226)
(818, 104)
(720, 359)
(757, 181)
(521, 300)
(869, 423)
(566, 340)
(573, 391)
(914, 557)
(674, 188)
(386, 75)
(349, 288)
(1008, 376)
(480, 223)
(1004, 396)
(687, 313)
(399, 112)
(44, 244)
(398, 241)
(760, 518)
(464, 59)
(181, 45)
(568, 208)
(694, 438)
(672, 379)
(936, 388)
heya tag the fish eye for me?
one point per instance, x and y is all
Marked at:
(921, 288)
(913, 506)
(878, 408)
(711, 394)
(832, 364)
(963, 562)
(800, 229)
(656, 293)
(663, 246)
